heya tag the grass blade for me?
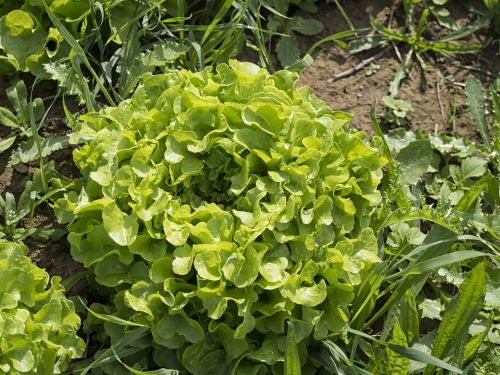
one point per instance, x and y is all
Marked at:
(429, 265)
(338, 356)
(132, 370)
(378, 131)
(111, 318)
(220, 14)
(410, 353)
(336, 38)
(422, 357)
(123, 345)
(466, 31)
(292, 361)
(344, 14)
(400, 74)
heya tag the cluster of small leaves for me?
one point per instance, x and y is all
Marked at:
(468, 181)
(24, 123)
(16, 217)
(19, 120)
(38, 324)
(397, 110)
(461, 176)
(220, 206)
(441, 179)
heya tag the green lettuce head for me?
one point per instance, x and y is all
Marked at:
(220, 206)
(38, 324)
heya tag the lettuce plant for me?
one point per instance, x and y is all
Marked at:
(221, 206)
(26, 41)
(37, 323)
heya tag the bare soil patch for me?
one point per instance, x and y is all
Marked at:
(434, 92)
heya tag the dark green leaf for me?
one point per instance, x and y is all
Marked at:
(287, 50)
(476, 102)
(414, 160)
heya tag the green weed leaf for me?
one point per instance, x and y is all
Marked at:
(414, 160)
(287, 50)
(307, 26)
(461, 312)
(397, 364)
(476, 102)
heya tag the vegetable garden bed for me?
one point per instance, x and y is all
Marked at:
(224, 220)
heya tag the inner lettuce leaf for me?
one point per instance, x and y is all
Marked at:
(38, 325)
(221, 205)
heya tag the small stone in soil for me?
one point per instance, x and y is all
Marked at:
(21, 168)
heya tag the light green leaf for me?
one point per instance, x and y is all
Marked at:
(208, 265)
(473, 167)
(22, 360)
(180, 324)
(242, 268)
(431, 309)
(122, 228)
(183, 260)
(6, 143)
(148, 248)
(307, 295)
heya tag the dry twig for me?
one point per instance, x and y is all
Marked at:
(475, 69)
(438, 93)
(358, 67)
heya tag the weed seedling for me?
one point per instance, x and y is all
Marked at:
(16, 218)
(397, 111)
(19, 119)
